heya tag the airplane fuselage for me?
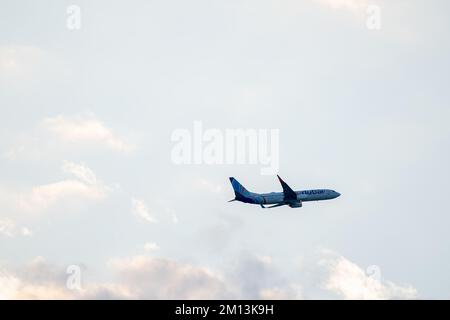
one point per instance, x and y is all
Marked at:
(278, 197)
(289, 197)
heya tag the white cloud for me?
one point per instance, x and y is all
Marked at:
(42, 197)
(160, 278)
(138, 277)
(146, 277)
(9, 228)
(62, 135)
(280, 293)
(26, 232)
(39, 280)
(87, 130)
(80, 171)
(151, 246)
(12, 287)
(18, 62)
(351, 5)
(349, 281)
(141, 209)
(256, 277)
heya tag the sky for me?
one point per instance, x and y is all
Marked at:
(92, 205)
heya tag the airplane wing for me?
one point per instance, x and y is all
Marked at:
(289, 194)
(275, 205)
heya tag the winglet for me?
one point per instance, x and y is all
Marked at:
(289, 194)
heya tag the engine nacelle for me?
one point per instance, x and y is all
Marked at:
(295, 204)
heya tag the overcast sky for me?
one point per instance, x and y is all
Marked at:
(87, 177)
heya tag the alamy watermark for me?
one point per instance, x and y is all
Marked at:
(227, 146)
(373, 21)
(374, 272)
(73, 21)
(74, 277)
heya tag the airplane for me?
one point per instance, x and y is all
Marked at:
(289, 197)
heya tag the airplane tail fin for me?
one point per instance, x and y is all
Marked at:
(289, 194)
(238, 188)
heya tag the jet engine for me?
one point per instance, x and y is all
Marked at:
(295, 204)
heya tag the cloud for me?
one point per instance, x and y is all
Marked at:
(39, 280)
(36, 280)
(85, 187)
(80, 171)
(280, 293)
(256, 277)
(63, 135)
(19, 62)
(160, 278)
(148, 277)
(85, 130)
(151, 246)
(9, 228)
(43, 197)
(141, 209)
(349, 281)
(138, 277)
(12, 287)
(354, 6)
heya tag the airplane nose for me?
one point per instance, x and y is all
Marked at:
(337, 194)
